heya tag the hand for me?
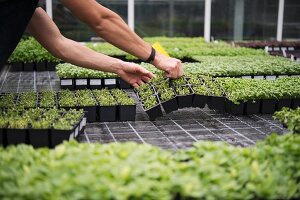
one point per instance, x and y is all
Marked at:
(134, 74)
(171, 66)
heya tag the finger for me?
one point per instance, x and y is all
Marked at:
(145, 79)
(135, 85)
(140, 82)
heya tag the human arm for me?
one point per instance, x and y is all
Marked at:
(46, 32)
(114, 30)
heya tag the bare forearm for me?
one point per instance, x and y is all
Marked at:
(109, 26)
(80, 55)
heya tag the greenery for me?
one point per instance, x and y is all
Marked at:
(238, 89)
(166, 94)
(104, 97)
(183, 90)
(150, 102)
(47, 99)
(290, 118)
(242, 65)
(67, 70)
(209, 170)
(85, 98)
(122, 97)
(8, 100)
(27, 100)
(67, 99)
(29, 51)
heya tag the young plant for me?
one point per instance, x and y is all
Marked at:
(150, 102)
(8, 100)
(47, 99)
(167, 94)
(104, 98)
(85, 98)
(183, 90)
(27, 100)
(122, 97)
(67, 99)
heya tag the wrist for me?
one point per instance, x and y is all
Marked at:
(117, 66)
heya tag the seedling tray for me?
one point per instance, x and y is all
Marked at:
(154, 112)
(123, 84)
(185, 101)
(17, 66)
(28, 67)
(216, 103)
(67, 84)
(235, 109)
(170, 105)
(58, 136)
(252, 107)
(126, 112)
(40, 66)
(268, 106)
(200, 101)
(91, 113)
(284, 103)
(39, 137)
(107, 113)
(2, 137)
(81, 84)
(95, 83)
(296, 103)
(16, 136)
(51, 66)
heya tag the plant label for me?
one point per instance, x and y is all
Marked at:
(95, 81)
(66, 82)
(246, 77)
(82, 123)
(110, 81)
(76, 132)
(71, 136)
(281, 76)
(283, 48)
(259, 77)
(291, 48)
(271, 78)
(295, 76)
(81, 81)
(276, 49)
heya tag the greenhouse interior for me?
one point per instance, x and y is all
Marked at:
(149, 99)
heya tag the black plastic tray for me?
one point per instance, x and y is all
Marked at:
(107, 113)
(39, 137)
(154, 112)
(40, 66)
(283, 103)
(200, 101)
(252, 107)
(16, 136)
(216, 103)
(185, 101)
(235, 109)
(170, 105)
(126, 112)
(268, 106)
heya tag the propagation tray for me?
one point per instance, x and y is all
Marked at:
(177, 130)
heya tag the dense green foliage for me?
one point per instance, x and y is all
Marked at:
(242, 65)
(29, 51)
(39, 118)
(209, 170)
(290, 118)
(238, 89)
(67, 70)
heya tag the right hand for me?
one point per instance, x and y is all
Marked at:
(134, 74)
(171, 66)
